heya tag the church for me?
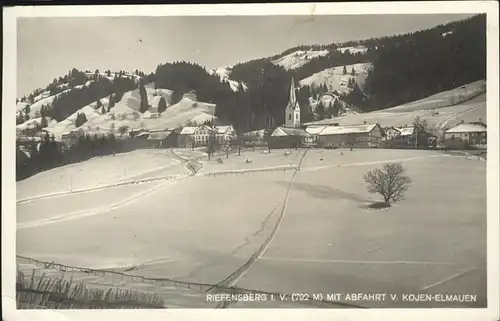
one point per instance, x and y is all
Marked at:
(291, 135)
(292, 110)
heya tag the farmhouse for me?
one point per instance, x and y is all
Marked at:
(366, 135)
(391, 132)
(186, 137)
(284, 137)
(466, 135)
(224, 134)
(199, 135)
(163, 139)
(314, 132)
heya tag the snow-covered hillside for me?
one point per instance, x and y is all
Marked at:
(298, 58)
(36, 107)
(442, 110)
(353, 50)
(224, 73)
(328, 100)
(34, 123)
(126, 113)
(335, 79)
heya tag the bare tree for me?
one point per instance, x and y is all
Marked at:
(389, 181)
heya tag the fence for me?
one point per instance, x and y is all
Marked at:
(163, 282)
(58, 293)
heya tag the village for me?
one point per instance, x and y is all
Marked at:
(327, 133)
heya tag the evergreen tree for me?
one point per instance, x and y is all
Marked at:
(44, 123)
(144, 98)
(103, 110)
(111, 102)
(162, 105)
(320, 110)
(98, 104)
(336, 108)
(344, 70)
(80, 119)
(353, 72)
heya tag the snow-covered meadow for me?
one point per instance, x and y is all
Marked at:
(100, 171)
(202, 228)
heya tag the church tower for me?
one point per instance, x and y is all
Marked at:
(292, 111)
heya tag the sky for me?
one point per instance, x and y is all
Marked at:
(49, 47)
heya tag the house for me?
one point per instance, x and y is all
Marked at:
(136, 132)
(366, 135)
(70, 138)
(391, 132)
(313, 131)
(200, 135)
(406, 131)
(224, 134)
(186, 137)
(284, 137)
(163, 138)
(466, 135)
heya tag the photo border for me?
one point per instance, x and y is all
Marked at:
(9, 83)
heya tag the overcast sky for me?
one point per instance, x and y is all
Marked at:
(49, 47)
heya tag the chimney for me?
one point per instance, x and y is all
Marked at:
(364, 122)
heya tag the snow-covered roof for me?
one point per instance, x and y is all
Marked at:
(315, 130)
(467, 128)
(142, 134)
(188, 130)
(223, 129)
(160, 135)
(256, 133)
(350, 129)
(284, 131)
(405, 131)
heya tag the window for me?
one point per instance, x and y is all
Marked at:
(290, 117)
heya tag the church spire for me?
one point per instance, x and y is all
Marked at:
(292, 102)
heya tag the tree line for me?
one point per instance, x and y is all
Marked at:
(49, 154)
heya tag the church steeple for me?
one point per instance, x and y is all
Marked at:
(292, 111)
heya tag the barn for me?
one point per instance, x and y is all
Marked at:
(284, 137)
(466, 135)
(314, 132)
(163, 139)
(366, 135)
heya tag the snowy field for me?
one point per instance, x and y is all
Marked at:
(178, 231)
(202, 228)
(433, 241)
(100, 171)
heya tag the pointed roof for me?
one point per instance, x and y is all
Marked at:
(292, 101)
(284, 131)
